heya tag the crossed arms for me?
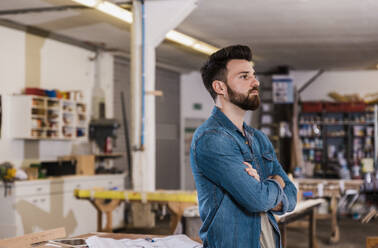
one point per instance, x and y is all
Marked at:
(220, 160)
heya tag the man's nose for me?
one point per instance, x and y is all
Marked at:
(255, 82)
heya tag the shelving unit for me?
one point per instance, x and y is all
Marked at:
(335, 133)
(36, 117)
(272, 118)
(267, 123)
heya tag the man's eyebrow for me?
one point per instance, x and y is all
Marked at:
(244, 72)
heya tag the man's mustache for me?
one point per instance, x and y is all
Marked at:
(254, 88)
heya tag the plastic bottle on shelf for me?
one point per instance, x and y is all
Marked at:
(108, 145)
(356, 171)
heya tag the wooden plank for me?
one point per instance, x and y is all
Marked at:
(155, 196)
(33, 238)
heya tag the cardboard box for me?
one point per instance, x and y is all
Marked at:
(85, 164)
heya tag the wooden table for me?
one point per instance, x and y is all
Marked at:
(328, 188)
(302, 210)
(107, 201)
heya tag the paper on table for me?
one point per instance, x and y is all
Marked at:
(172, 241)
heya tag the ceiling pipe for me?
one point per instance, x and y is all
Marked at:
(309, 82)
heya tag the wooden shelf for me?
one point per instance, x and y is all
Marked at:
(52, 110)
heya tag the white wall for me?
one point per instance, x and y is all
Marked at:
(12, 79)
(61, 66)
(192, 91)
(342, 82)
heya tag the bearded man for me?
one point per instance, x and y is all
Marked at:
(239, 181)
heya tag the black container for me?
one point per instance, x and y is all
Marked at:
(59, 168)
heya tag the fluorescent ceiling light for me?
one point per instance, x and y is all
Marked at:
(88, 3)
(108, 8)
(190, 42)
(205, 48)
(113, 10)
(180, 38)
(125, 15)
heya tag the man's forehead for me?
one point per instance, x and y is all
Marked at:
(236, 66)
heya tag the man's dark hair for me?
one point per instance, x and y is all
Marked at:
(216, 67)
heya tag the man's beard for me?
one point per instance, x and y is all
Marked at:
(246, 102)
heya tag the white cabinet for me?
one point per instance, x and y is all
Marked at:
(45, 204)
(35, 117)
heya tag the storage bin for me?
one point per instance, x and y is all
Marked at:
(50, 93)
(34, 91)
(309, 107)
(335, 107)
(355, 107)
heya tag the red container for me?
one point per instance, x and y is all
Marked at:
(309, 107)
(34, 91)
(355, 107)
(335, 107)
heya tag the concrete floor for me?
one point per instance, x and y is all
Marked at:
(352, 234)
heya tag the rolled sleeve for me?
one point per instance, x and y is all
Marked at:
(290, 191)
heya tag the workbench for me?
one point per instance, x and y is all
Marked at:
(302, 210)
(177, 201)
(107, 201)
(332, 189)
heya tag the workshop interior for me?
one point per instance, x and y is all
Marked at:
(100, 100)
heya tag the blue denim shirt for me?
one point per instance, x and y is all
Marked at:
(230, 200)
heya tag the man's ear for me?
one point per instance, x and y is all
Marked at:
(219, 87)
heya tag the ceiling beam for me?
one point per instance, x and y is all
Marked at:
(44, 9)
(125, 5)
(48, 34)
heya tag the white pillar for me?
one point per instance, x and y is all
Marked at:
(136, 89)
(161, 16)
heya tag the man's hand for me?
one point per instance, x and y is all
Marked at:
(252, 172)
(279, 180)
(278, 207)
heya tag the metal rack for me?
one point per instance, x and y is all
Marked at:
(326, 134)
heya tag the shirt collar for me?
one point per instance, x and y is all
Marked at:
(227, 123)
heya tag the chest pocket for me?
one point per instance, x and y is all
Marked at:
(268, 160)
(247, 155)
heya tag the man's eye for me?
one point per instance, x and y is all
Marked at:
(244, 76)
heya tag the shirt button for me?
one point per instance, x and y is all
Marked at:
(246, 142)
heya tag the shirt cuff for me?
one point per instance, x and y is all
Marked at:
(282, 198)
